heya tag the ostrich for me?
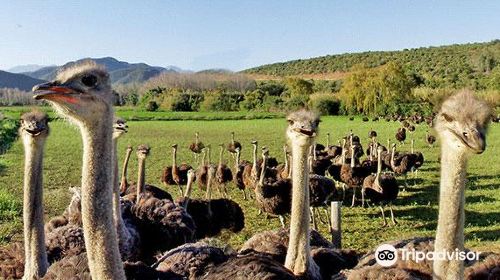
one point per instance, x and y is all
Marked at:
(233, 145)
(332, 150)
(239, 168)
(381, 188)
(283, 170)
(133, 191)
(123, 182)
(161, 223)
(273, 196)
(401, 135)
(33, 131)
(274, 243)
(202, 170)
(301, 132)
(179, 173)
(401, 164)
(82, 93)
(353, 175)
(196, 147)
(430, 139)
(223, 174)
(128, 236)
(251, 173)
(211, 216)
(461, 125)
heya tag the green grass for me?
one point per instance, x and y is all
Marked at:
(415, 209)
(137, 114)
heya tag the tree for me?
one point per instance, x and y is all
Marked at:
(370, 90)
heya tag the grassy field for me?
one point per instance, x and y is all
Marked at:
(137, 114)
(415, 209)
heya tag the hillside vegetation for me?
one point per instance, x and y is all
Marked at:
(454, 66)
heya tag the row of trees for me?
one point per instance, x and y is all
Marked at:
(381, 90)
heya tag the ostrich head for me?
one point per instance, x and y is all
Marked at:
(302, 127)
(191, 174)
(34, 124)
(463, 121)
(129, 148)
(143, 151)
(120, 127)
(174, 146)
(81, 92)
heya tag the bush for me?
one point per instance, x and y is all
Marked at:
(152, 106)
(221, 101)
(325, 103)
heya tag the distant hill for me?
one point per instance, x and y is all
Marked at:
(454, 65)
(20, 81)
(25, 68)
(121, 72)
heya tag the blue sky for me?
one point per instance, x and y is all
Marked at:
(232, 34)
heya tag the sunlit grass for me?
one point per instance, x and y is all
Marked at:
(415, 209)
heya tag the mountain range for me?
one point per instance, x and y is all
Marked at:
(22, 82)
(121, 72)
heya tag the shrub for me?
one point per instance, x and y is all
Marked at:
(325, 103)
(152, 106)
(221, 101)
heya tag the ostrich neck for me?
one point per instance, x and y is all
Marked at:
(220, 155)
(254, 166)
(379, 165)
(97, 217)
(450, 228)
(117, 213)
(34, 239)
(237, 159)
(263, 170)
(124, 169)
(174, 158)
(298, 258)
(352, 157)
(208, 194)
(141, 176)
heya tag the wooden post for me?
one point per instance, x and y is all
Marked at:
(336, 230)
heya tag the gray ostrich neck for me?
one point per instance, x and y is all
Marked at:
(263, 170)
(189, 188)
(352, 157)
(34, 239)
(450, 228)
(254, 166)
(97, 217)
(238, 156)
(117, 214)
(379, 165)
(298, 259)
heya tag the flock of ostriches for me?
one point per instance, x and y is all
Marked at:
(116, 230)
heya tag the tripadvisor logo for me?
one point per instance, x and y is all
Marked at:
(387, 255)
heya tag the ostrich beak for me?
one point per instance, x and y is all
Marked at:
(53, 91)
(474, 139)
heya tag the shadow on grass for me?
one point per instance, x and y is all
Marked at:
(478, 199)
(483, 235)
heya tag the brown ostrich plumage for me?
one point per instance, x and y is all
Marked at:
(191, 260)
(12, 261)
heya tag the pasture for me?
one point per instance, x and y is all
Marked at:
(415, 209)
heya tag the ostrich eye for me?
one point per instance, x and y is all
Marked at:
(89, 80)
(290, 122)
